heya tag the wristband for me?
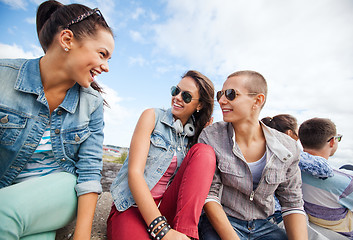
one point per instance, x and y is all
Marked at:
(163, 232)
(159, 228)
(155, 222)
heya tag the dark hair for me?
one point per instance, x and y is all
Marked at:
(282, 123)
(53, 17)
(255, 83)
(314, 133)
(206, 92)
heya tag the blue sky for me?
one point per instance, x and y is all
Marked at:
(303, 48)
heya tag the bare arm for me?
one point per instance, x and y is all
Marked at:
(219, 221)
(139, 148)
(85, 213)
(296, 226)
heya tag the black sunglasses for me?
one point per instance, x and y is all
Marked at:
(231, 94)
(84, 16)
(186, 96)
(339, 137)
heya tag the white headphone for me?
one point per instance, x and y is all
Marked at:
(189, 128)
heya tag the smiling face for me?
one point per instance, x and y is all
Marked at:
(89, 57)
(241, 108)
(180, 109)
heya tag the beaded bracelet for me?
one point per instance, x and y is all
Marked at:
(163, 232)
(155, 222)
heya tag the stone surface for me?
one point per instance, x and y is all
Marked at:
(108, 174)
(102, 210)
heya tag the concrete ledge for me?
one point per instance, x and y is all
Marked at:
(99, 227)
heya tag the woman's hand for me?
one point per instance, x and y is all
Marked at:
(175, 235)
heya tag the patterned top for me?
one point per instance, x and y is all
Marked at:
(328, 200)
(42, 161)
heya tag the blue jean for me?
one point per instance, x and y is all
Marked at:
(264, 229)
(36, 208)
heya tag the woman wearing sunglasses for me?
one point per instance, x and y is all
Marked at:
(254, 162)
(159, 192)
(51, 126)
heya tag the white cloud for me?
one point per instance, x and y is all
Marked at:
(138, 12)
(14, 51)
(153, 16)
(119, 121)
(16, 4)
(139, 60)
(31, 20)
(136, 36)
(304, 50)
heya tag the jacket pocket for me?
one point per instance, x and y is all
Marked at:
(231, 174)
(159, 154)
(73, 138)
(11, 125)
(158, 141)
(273, 178)
(158, 146)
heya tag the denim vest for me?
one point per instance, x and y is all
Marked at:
(164, 142)
(76, 126)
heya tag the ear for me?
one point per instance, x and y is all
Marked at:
(199, 107)
(66, 38)
(291, 134)
(332, 142)
(259, 101)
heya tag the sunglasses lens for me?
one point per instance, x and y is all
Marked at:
(186, 97)
(339, 138)
(230, 94)
(174, 91)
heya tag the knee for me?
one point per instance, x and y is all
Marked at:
(9, 225)
(204, 154)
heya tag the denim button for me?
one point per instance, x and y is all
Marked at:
(5, 119)
(63, 159)
(31, 144)
(57, 131)
(60, 112)
(77, 138)
(16, 168)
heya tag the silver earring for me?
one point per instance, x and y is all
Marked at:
(66, 49)
(197, 110)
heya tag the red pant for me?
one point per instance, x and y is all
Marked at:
(181, 203)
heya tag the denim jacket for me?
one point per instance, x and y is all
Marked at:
(164, 142)
(281, 174)
(76, 126)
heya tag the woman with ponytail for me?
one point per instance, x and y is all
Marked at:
(51, 126)
(285, 123)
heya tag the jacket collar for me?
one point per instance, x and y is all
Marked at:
(168, 118)
(315, 165)
(273, 143)
(29, 81)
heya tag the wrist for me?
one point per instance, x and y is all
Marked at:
(158, 228)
